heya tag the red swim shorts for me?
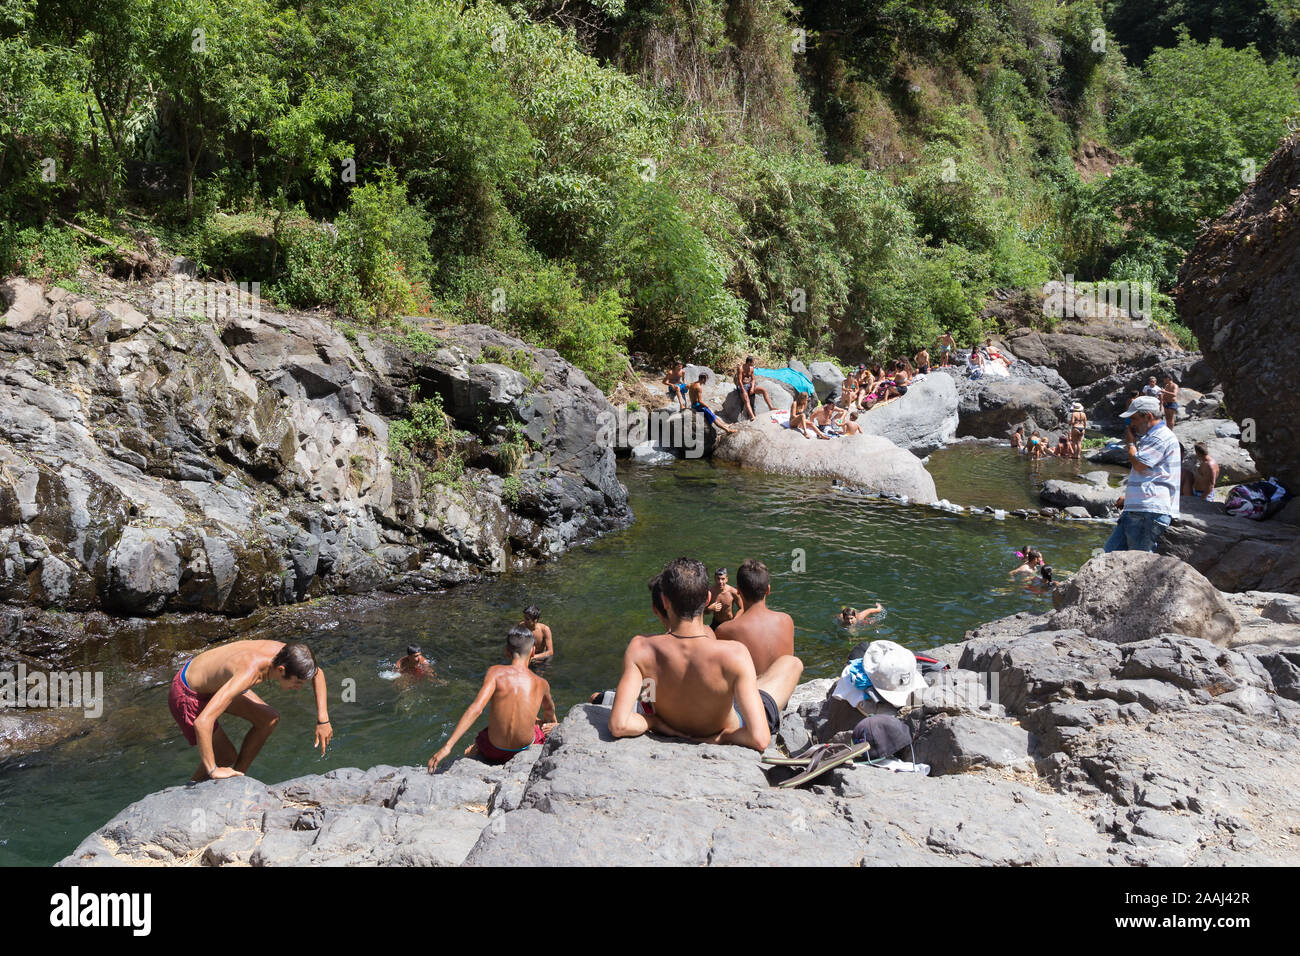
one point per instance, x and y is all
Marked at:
(186, 706)
(491, 753)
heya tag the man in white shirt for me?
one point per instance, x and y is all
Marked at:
(1151, 493)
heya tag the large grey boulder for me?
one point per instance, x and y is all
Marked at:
(992, 407)
(920, 421)
(868, 462)
(826, 378)
(1098, 500)
(1129, 596)
(958, 744)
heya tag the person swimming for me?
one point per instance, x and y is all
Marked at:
(1032, 561)
(852, 617)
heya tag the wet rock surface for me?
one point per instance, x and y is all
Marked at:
(1047, 747)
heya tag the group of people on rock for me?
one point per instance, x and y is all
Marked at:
(1068, 445)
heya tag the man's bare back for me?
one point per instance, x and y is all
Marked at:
(696, 684)
(516, 700)
(767, 634)
(208, 672)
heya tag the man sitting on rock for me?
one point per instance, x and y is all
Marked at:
(768, 634)
(699, 688)
(1150, 499)
(696, 390)
(517, 695)
(744, 378)
(220, 681)
(1200, 473)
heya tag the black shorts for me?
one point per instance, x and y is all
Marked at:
(770, 711)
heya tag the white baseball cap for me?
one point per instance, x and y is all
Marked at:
(1143, 403)
(893, 671)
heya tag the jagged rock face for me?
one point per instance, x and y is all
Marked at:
(1087, 350)
(152, 464)
(1238, 291)
(991, 407)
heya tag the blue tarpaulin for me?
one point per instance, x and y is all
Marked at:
(787, 376)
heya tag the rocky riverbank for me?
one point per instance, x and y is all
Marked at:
(1054, 739)
(158, 463)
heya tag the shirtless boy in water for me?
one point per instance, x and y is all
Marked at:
(703, 689)
(722, 598)
(219, 681)
(768, 634)
(516, 695)
(544, 649)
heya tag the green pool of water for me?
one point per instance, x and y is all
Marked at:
(937, 574)
(996, 476)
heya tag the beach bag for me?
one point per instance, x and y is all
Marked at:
(1258, 499)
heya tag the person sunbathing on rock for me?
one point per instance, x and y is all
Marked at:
(975, 362)
(674, 378)
(220, 681)
(696, 390)
(1200, 473)
(516, 696)
(799, 420)
(744, 379)
(768, 634)
(922, 360)
(827, 419)
(699, 688)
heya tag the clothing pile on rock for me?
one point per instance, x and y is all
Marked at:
(1257, 500)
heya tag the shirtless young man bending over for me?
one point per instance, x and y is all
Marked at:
(703, 689)
(220, 681)
(768, 634)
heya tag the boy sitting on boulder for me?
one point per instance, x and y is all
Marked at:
(516, 695)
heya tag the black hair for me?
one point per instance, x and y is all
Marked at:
(520, 641)
(722, 572)
(297, 660)
(533, 612)
(685, 584)
(704, 377)
(412, 650)
(1046, 572)
(753, 580)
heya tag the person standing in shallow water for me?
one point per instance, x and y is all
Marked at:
(544, 649)
(1150, 500)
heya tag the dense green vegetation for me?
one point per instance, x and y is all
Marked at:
(602, 176)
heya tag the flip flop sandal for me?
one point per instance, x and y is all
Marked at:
(835, 755)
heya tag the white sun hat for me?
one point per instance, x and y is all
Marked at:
(893, 671)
